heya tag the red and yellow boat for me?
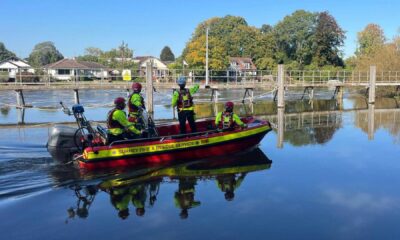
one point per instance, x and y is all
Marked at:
(169, 145)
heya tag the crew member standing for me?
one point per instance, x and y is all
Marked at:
(183, 99)
(228, 119)
(119, 128)
(135, 106)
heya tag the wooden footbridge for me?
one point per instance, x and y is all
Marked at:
(279, 81)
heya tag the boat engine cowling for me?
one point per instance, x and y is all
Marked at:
(61, 143)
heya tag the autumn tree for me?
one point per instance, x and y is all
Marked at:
(370, 39)
(44, 53)
(167, 54)
(229, 36)
(5, 53)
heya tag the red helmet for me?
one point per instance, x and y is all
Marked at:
(119, 101)
(136, 87)
(229, 105)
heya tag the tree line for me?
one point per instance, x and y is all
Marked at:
(301, 40)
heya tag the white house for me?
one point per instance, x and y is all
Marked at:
(71, 69)
(160, 69)
(14, 66)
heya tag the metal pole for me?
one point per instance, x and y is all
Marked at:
(207, 76)
(372, 81)
(149, 87)
(281, 87)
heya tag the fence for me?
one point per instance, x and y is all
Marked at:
(264, 77)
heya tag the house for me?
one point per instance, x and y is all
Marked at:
(13, 66)
(71, 69)
(160, 69)
(243, 66)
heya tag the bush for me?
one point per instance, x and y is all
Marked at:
(4, 76)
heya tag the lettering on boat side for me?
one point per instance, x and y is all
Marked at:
(159, 147)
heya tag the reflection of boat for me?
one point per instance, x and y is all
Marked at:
(139, 188)
(251, 161)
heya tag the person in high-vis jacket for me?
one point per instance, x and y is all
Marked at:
(183, 99)
(227, 119)
(228, 183)
(135, 106)
(119, 128)
(184, 197)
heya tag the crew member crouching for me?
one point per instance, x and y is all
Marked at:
(228, 119)
(119, 128)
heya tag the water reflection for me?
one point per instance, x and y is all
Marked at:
(136, 191)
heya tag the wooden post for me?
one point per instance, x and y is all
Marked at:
(20, 98)
(281, 87)
(372, 81)
(371, 121)
(21, 116)
(281, 124)
(149, 87)
(76, 96)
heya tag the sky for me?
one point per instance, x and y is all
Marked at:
(149, 25)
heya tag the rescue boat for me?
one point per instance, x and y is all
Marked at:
(170, 145)
(164, 146)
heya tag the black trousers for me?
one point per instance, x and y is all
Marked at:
(189, 116)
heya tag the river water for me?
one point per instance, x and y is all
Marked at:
(335, 175)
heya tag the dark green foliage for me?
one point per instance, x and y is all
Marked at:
(328, 38)
(167, 55)
(44, 53)
(4, 53)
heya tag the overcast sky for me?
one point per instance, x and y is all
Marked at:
(149, 25)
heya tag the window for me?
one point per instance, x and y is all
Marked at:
(63, 71)
(247, 65)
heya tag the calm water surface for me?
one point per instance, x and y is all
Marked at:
(333, 177)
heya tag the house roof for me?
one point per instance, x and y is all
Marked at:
(241, 61)
(74, 64)
(141, 59)
(19, 63)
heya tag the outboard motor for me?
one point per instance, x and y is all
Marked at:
(62, 143)
(65, 141)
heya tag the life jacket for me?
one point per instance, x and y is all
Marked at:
(227, 120)
(185, 99)
(111, 123)
(133, 109)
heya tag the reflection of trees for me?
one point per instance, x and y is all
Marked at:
(5, 110)
(385, 116)
(310, 136)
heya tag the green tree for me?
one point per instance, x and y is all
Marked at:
(294, 37)
(265, 63)
(167, 54)
(4, 53)
(328, 39)
(370, 39)
(92, 54)
(44, 53)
